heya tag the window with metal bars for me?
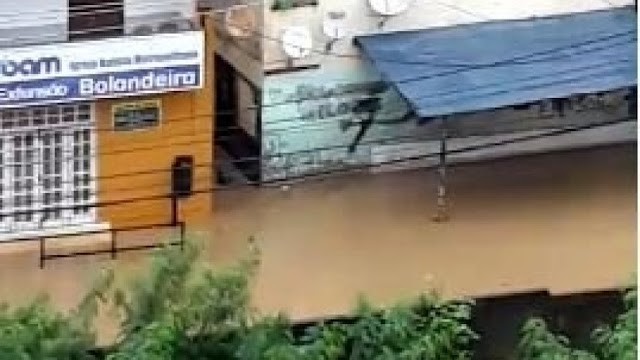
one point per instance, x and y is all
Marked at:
(47, 167)
(95, 19)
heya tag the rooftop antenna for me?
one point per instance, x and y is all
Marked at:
(333, 27)
(296, 43)
(387, 9)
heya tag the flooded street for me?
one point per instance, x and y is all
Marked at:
(564, 221)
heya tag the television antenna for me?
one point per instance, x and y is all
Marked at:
(334, 27)
(297, 42)
(388, 8)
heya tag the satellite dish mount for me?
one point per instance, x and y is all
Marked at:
(296, 43)
(387, 9)
(383, 20)
(333, 27)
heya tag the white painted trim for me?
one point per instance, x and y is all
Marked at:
(77, 230)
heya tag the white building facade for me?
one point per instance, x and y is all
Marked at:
(310, 116)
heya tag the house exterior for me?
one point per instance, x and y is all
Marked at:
(97, 100)
(311, 115)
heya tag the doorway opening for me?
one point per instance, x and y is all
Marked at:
(238, 123)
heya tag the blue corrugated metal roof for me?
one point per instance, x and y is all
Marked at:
(443, 71)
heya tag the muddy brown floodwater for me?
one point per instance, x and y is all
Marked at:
(564, 222)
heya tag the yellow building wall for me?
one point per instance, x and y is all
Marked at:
(137, 164)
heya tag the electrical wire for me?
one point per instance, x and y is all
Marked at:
(141, 4)
(317, 51)
(467, 67)
(377, 141)
(86, 192)
(257, 159)
(264, 105)
(130, 150)
(515, 58)
(348, 169)
(193, 139)
(534, 86)
(318, 175)
(463, 10)
(518, 60)
(471, 66)
(516, 79)
(208, 140)
(255, 108)
(89, 8)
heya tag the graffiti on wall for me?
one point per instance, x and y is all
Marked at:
(316, 124)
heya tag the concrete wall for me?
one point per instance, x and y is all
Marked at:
(32, 13)
(135, 8)
(41, 21)
(422, 14)
(32, 21)
(308, 113)
(152, 12)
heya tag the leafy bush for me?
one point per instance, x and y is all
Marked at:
(179, 310)
(425, 329)
(617, 342)
(36, 331)
(538, 343)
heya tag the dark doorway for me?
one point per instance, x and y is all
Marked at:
(242, 149)
(94, 19)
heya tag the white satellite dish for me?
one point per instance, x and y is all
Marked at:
(389, 7)
(240, 21)
(297, 42)
(334, 25)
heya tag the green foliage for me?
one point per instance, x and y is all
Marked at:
(179, 310)
(36, 331)
(538, 343)
(424, 329)
(619, 342)
(616, 342)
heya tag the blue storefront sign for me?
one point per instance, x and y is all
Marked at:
(101, 69)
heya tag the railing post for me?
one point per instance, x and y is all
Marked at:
(182, 235)
(174, 209)
(114, 251)
(42, 253)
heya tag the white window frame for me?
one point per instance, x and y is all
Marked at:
(69, 220)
